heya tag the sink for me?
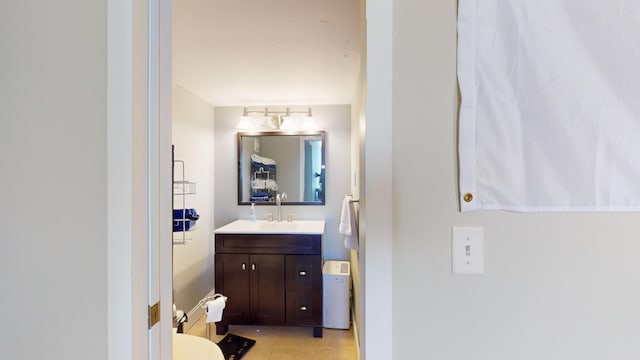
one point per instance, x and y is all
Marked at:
(282, 225)
(273, 227)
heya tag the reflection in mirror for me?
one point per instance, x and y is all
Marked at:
(276, 162)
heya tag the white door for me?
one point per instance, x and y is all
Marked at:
(159, 177)
(139, 178)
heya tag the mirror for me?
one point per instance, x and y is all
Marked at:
(276, 162)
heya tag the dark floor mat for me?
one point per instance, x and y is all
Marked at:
(234, 347)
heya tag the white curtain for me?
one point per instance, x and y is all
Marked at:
(550, 113)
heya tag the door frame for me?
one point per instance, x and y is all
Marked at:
(139, 185)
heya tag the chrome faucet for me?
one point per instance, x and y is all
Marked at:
(279, 199)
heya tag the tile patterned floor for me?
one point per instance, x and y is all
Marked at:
(289, 343)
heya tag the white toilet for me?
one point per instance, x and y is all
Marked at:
(190, 347)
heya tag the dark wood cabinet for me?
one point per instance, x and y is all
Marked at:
(304, 274)
(270, 279)
(259, 275)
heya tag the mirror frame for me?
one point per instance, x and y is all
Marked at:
(242, 134)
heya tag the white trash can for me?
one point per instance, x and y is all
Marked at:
(336, 283)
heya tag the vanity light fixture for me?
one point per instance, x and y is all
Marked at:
(308, 123)
(288, 123)
(245, 121)
(251, 120)
(282, 120)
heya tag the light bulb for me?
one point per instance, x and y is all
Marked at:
(287, 123)
(309, 124)
(245, 123)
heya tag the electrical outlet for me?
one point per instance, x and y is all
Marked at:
(467, 250)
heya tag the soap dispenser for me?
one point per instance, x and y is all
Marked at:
(252, 213)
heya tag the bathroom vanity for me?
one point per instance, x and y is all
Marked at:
(271, 273)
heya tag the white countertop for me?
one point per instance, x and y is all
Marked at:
(274, 227)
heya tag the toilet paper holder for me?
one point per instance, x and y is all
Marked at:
(203, 304)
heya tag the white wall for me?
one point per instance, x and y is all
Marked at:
(556, 285)
(376, 175)
(335, 119)
(53, 155)
(73, 282)
(194, 141)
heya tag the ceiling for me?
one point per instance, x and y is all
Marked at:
(267, 52)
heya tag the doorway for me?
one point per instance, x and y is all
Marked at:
(253, 53)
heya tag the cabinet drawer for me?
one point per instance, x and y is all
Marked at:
(304, 307)
(268, 244)
(304, 272)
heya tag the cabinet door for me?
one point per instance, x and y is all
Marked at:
(267, 289)
(232, 280)
(304, 290)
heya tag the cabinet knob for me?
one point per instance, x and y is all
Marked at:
(253, 266)
(303, 273)
(303, 308)
(244, 266)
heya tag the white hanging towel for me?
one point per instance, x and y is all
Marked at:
(348, 224)
(214, 309)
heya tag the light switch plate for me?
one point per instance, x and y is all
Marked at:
(467, 250)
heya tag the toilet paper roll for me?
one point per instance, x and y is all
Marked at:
(214, 309)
